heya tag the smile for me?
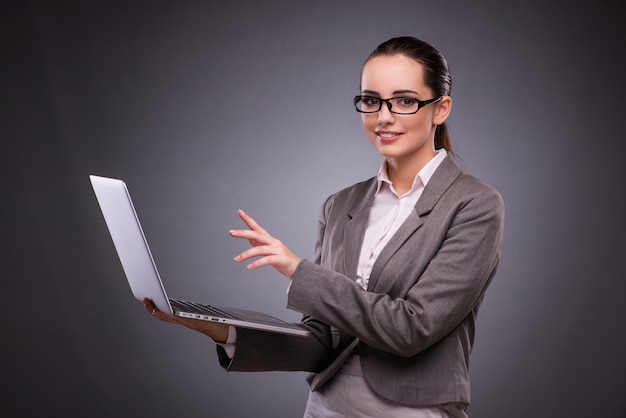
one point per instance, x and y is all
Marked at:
(388, 136)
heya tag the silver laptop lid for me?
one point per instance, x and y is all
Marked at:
(130, 241)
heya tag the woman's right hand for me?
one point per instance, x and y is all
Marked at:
(217, 332)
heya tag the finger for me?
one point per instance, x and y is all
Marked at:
(149, 305)
(260, 251)
(262, 262)
(253, 237)
(156, 312)
(252, 224)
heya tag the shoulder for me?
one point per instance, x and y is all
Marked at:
(451, 186)
(453, 196)
(473, 199)
(472, 186)
(466, 185)
(352, 194)
(358, 189)
(348, 200)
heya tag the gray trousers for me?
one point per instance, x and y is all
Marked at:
(348, 395)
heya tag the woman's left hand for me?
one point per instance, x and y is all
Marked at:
(271, 250)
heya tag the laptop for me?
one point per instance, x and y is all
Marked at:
(142, 274)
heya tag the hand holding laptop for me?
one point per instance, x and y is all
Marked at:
(214, 330)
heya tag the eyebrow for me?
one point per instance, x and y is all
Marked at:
(394, 93)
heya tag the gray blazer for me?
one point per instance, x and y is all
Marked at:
(415, 322)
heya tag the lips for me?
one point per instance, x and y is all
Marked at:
(387, 136)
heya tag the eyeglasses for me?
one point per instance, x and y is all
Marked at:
(398, 105)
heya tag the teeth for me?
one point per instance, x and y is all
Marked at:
(386, 135)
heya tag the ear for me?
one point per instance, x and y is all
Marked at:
(444, 107)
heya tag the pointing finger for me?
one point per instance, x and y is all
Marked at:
(250, 222)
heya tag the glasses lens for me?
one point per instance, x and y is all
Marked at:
(404, 105)
(367, 104)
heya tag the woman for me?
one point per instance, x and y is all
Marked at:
(401, 264)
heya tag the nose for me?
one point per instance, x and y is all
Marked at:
(385, 116)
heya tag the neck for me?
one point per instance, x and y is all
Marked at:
(402, 173)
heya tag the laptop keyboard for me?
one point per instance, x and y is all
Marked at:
(183, 305)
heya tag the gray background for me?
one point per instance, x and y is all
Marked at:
(204, 108)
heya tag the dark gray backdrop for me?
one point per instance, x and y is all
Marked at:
(204, 108)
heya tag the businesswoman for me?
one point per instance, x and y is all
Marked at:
(401, 264)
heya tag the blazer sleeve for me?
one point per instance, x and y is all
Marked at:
(267, 351)
(426, 287)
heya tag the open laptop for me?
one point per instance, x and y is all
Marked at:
(141, 271)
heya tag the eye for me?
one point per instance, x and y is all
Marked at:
(406, 101)
(370, 101)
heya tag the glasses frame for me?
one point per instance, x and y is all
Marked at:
(420, 103)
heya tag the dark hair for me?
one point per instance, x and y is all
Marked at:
(436, 72)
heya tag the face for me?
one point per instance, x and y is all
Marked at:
(402, 139)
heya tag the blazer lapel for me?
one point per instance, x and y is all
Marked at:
(447, 172)
(442, 179)
(410, 225)
(354, 230)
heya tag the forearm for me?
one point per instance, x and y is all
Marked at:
(267, 351)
